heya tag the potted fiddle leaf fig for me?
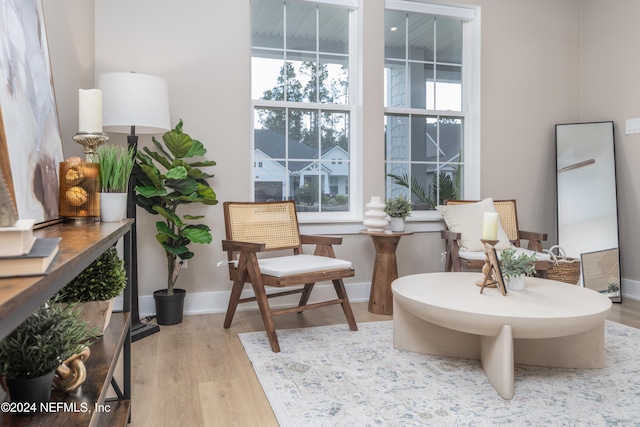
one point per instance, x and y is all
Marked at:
(167, 180)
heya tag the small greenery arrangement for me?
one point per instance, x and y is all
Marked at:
(116, 164)
(162, 193)
(43, 341)
(102, 280)
(398, 207)
(513, 266)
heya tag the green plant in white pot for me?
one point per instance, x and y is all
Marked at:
(96, 287)
(116, 164)
(398, 208)
(515, 268)
(31, 353)
(166, 180)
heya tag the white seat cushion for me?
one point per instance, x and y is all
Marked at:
(476, 255)
(300, 264)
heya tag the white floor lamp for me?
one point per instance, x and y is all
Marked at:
(134, 103)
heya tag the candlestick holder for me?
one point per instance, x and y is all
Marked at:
(90, 141)
(487, 281)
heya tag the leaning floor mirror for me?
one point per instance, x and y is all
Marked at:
(587, 203)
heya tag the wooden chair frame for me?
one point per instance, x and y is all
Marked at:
(255, 227)
(508, 213)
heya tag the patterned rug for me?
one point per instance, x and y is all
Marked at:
(331, 376)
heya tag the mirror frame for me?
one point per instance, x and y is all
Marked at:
(600, 265)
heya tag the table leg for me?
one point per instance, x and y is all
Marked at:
(412, 333)
(584, 350)
(385, 271)
(496, 355)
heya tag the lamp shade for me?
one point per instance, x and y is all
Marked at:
(134, 99)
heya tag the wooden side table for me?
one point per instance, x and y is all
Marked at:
(385, 270)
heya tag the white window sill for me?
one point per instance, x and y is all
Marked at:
(418, 222)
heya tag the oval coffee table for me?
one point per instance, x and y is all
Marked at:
(548, 324)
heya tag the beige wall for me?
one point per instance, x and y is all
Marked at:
(70, 33)
(611, 91)
(531, 68)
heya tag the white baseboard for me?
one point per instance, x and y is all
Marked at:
(630, 289)
(216, 302)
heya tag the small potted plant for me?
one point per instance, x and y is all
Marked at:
(96, 287)
(515, 268)
(31, 353)
(161, 193)
(116, 164)
(398, 208)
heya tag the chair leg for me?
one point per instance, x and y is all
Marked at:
(338, 284)
(306, 293)
(236, 291)
(267, 319)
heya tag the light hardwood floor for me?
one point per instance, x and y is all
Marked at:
(197, 373)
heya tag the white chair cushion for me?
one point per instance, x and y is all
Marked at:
(300, 264)
(475, 255)
(467, 220)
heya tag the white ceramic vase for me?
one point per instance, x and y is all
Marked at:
(516, 283)
(375, 215)
(113, 206)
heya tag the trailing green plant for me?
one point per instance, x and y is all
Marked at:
(513, 266)
(102, 280)
(43, 341)
(398, 207)
(116, 164)
(162, 193)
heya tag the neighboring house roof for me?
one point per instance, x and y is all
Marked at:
(272, 144)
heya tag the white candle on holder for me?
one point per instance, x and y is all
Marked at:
(90, 111)
(490, 226)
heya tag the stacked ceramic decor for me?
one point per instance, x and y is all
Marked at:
(375, 215)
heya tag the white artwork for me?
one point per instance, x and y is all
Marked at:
(27, 102)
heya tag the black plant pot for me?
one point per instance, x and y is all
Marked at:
(169, 308)
(31, 392)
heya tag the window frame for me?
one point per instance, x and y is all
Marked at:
(350, 222)
(355, 181)
(470, 112)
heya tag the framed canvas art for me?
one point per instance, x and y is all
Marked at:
(30, 142)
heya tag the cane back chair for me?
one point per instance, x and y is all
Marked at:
(253, 228)
(457, 259)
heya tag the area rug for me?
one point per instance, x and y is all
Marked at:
(332, 376)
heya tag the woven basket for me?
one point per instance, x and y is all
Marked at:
(565, 269)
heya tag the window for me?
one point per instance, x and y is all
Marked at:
(303, 105)
(426, 116)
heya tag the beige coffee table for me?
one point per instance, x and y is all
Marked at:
(548, 324)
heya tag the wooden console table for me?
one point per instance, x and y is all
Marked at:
(81, 244)
(385, 270)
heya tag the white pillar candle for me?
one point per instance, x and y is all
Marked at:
(490, 226)
(90, 111)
